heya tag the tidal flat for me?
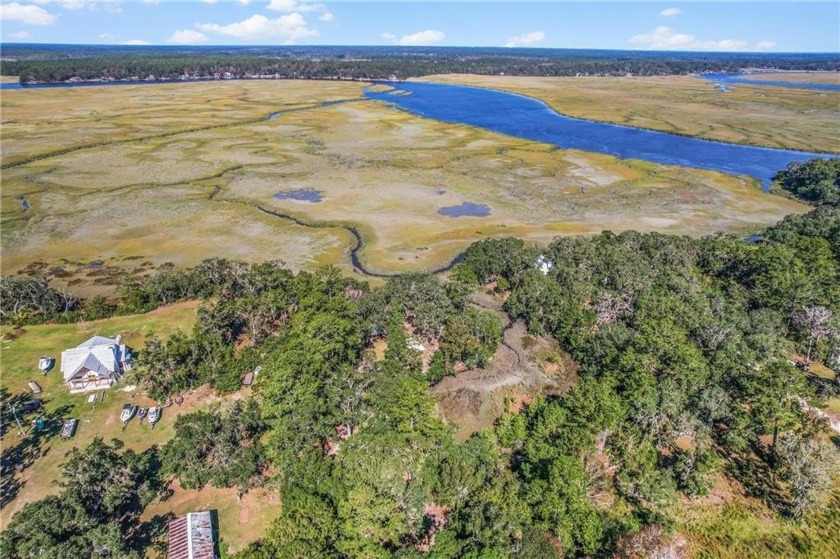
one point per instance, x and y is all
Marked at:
(175, 173)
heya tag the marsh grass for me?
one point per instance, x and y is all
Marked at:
(805, 77)
(184, 181)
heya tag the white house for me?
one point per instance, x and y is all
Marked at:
(95, 364)
(544, 265)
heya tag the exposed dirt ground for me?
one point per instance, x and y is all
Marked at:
(518, 372)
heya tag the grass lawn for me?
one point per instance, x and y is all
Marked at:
(732, 526)
(241, 521)
(19, 364)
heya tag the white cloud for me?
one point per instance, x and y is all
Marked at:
(76, 5)
(187, 37)
(106, 36)
(135, 42)
(294, 6)
(33, 15)
(667, 38)
(150, 2)
(69, 4)
(244, 2)
(111, 6)
(526, 39)
(210, 1)
(427, 37)
(21, 35)
(289, 28)
(670, 12)
(663, 37)
(328, 17)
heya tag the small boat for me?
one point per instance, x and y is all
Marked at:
(127, 413)
(154, 414)
(45, 364)
(141, 413)
(31, 405)
(69, 428)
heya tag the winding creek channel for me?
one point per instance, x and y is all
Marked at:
(523, 117)
(531, 119)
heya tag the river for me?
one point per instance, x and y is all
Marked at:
(531, 119)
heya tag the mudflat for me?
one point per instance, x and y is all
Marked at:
(132, 178)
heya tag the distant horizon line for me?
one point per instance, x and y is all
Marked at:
(413, 48)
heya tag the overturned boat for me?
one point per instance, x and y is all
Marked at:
(127, 413)
(46, 363)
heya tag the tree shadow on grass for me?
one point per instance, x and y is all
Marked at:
(15, 459)
(19, 407)
(150, 535)
(757, 477)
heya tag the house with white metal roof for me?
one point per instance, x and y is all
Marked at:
(95, 364)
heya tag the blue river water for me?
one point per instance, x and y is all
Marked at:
(528, 118)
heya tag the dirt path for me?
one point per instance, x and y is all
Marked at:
(474, 399)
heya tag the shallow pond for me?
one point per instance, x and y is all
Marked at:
(467, 209)
(300, 195)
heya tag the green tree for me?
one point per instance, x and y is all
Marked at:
(817, 180)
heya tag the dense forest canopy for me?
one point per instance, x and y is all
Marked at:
(687, 352)
(816, 181)
(57, 63)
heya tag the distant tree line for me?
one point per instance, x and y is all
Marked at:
(59, 64)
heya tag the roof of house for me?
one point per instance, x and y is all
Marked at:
(98, 354)
(192, 537)
(99, 340)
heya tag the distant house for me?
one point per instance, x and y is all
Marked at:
(97, 363)
(193, 536)
(544, 265)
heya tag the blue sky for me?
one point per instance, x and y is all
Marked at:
(702, 26)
